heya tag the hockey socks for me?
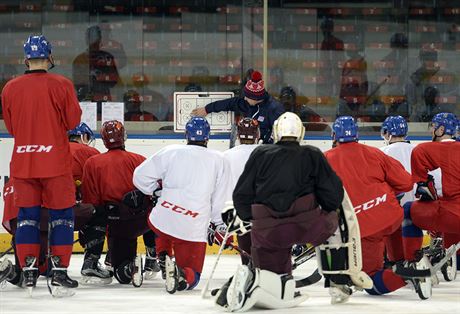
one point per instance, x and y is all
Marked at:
(61, 234)
(191, 277)
(28, 234)
(412, 235)
(385, 281)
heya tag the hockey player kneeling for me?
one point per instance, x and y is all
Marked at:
(291, 195)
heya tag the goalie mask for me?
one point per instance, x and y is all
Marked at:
(113, 134)
(248, 130)
(288, 125)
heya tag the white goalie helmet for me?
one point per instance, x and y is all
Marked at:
(288, 125)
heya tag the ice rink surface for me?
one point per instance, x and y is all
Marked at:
(152, 297)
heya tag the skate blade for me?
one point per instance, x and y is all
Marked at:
(62, 292)
(30, 291)
(92, 280)
(338, 296)
(149, 275)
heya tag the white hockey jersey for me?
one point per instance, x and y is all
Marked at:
(237, 157)
(402, 152)
(195, 180)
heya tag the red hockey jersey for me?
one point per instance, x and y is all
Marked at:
(108, 176)
(372, 180)
(39, 108)
(80, 153)
(445, 155)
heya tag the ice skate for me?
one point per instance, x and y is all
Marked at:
(339, 293)
(136, 272)
(175, 279)
(61, 284)
(30, 274)
(6, 272)
(93, 273)
(423, 286)
(151, 267)
(161, 264)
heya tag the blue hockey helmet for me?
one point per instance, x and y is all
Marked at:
(197, 129)
(37, 47)
(447, 120)
(82, 129)
(394, 126)
(345, 130)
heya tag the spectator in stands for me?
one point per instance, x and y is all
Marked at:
(331, 57)
(133, 104)
(94, 71)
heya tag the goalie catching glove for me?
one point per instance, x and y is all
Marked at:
(426, 191)
(216, 234)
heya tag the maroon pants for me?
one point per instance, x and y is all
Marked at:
(274, 233)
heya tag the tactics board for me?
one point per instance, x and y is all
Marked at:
(185, 102)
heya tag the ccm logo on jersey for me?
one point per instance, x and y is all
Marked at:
(178, 209)
(369, 204)
(33, 149)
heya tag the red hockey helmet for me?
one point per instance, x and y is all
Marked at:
(248, 130)
(113, 134)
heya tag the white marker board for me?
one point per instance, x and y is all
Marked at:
(185, 102)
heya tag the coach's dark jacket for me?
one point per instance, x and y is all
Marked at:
(266, 112)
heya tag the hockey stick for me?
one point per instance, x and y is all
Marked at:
(221, 249)
(6, 252)
(305, 256)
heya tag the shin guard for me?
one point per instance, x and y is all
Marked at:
(28, 234)
(61, 234)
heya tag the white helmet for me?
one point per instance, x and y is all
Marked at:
(288, 125)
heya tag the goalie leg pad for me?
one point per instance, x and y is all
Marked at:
(340, 258)
(266, 290)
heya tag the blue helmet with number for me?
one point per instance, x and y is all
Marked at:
(394, 126)
(197, 129)
(447, 120)
(37, 47)
(82, 129)
(345, 130)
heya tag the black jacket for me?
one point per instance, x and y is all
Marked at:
(265, 112)
(276, 175)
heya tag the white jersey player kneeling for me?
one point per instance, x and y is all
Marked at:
(194, 181)
(312, 217)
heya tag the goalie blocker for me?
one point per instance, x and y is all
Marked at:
(340, 262)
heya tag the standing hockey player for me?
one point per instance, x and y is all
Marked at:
(41, 162)
(372, 180)
(256, 104)
(430, 212)
(248, 134)
(106, 189)
(194, 186)
(291, 195)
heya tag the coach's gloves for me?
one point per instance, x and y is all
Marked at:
(426, 191)
(216, 234)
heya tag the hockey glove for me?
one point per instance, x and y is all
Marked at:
(230, 218)
(216, 234)
(426, 191)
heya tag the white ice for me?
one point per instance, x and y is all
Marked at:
(152, 297)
